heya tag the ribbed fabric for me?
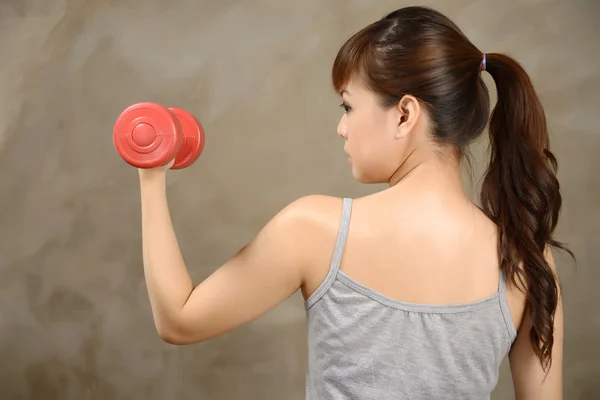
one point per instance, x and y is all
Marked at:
(364, 345)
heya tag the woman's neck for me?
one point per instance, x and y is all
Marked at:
(430, 172)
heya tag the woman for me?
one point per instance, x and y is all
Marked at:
(413, 292)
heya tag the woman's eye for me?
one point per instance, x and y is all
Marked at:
(345, 107)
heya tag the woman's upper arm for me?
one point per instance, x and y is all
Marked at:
(258, 277)
(530, 381)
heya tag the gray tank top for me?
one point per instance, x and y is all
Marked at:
(364, 345)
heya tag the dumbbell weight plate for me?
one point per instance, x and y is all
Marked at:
(147, 135)
(193, 139)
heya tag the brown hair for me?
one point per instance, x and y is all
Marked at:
(418, 51)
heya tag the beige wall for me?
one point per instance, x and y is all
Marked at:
(75, 321)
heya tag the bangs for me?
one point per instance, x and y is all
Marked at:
(353, 60)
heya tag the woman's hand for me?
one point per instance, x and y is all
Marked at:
(151, 173)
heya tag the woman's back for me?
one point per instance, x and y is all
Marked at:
(412, 304)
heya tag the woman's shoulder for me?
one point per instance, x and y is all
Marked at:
(316, 221)
(321, 215)
(314, 208)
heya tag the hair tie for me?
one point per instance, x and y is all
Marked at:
(483, 64)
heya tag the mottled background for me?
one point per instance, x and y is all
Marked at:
(75, 321)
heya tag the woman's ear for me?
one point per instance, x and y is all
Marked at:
(409, 111)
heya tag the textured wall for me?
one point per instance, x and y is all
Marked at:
(75, 321)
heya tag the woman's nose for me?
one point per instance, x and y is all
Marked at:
(342, 128)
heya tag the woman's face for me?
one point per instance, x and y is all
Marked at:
(372, 133)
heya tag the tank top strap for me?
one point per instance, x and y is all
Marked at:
(502, 282)
(510, 326)
(338, 251)
(340, 242)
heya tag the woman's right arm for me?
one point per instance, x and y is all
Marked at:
(530, 381)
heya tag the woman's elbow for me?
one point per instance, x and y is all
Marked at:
(176, 334)
(171, 337)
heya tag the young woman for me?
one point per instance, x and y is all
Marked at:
(413, 292)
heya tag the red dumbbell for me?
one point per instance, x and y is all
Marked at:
(148, 135)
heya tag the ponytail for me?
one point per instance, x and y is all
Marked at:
(520, 193)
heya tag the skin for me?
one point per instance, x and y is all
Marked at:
(421, 240)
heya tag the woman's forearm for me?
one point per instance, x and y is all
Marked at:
(167, 279)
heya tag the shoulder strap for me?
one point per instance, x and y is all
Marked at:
(502, 282)
(340, 244)
(512, 331)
